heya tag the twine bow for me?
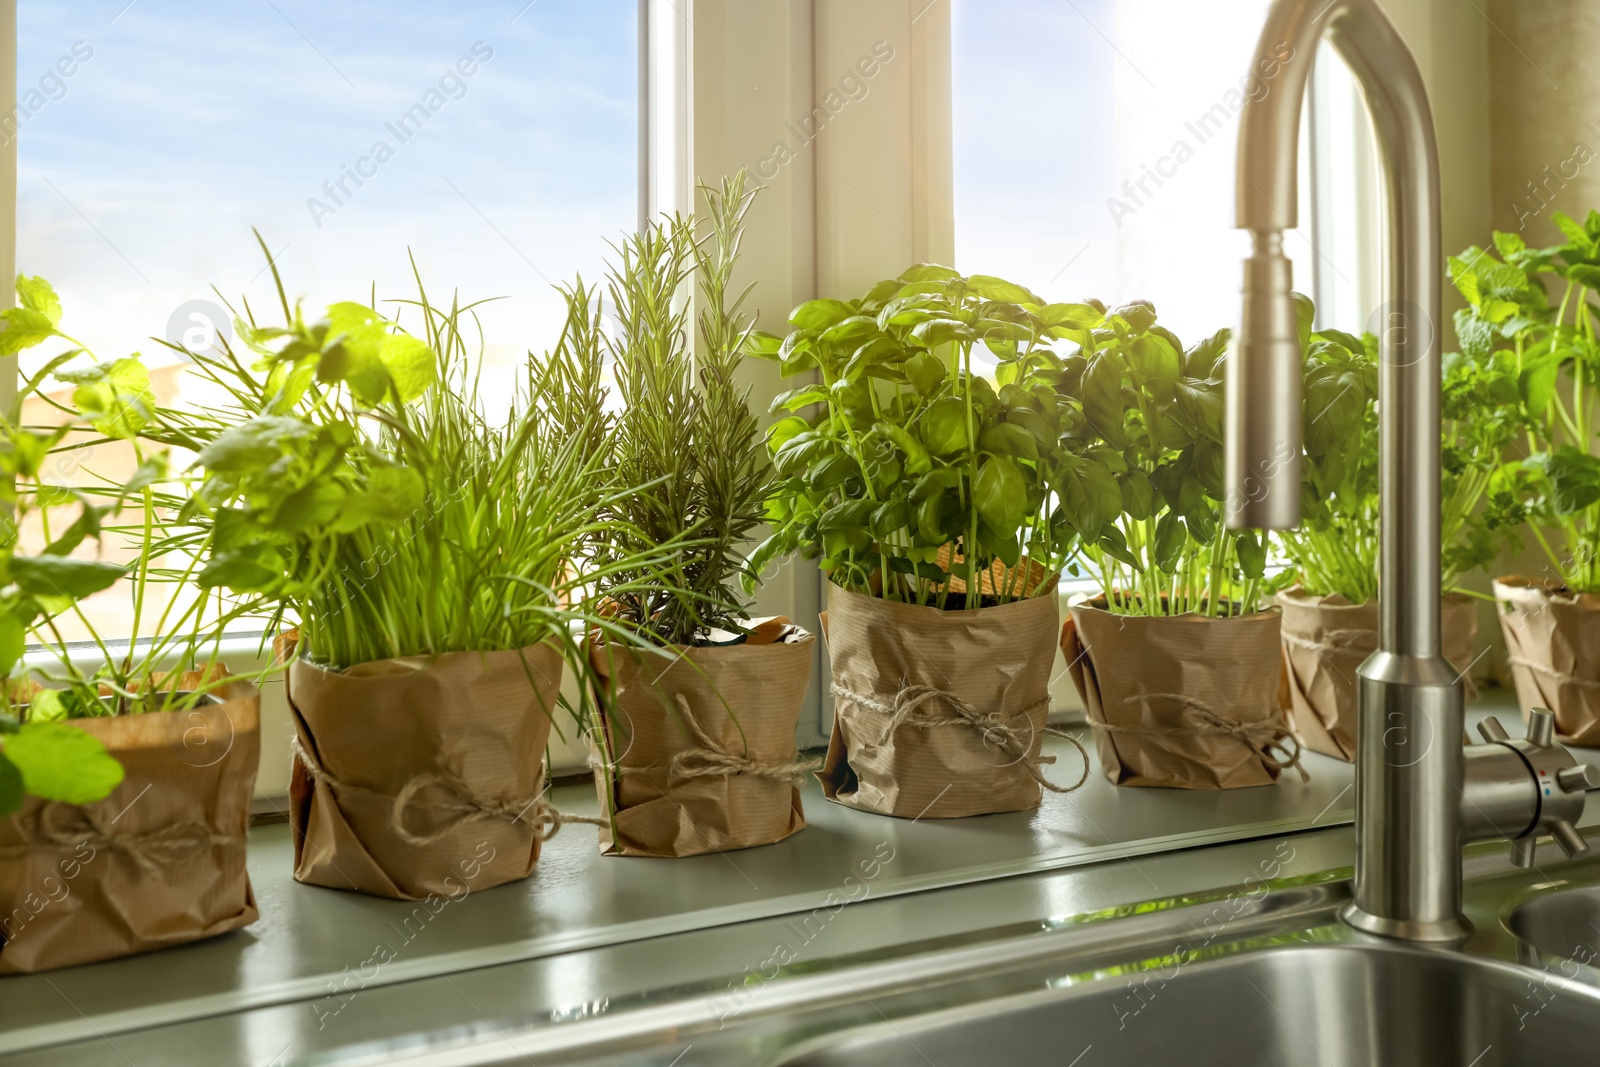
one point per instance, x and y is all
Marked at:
(1274, 743)
(994, 729)
(150, 850)
(457, 806)
(713, 760)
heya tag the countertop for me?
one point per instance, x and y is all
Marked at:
(300, 968)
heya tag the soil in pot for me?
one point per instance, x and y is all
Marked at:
(699, 751)
(1325, 641)
(1186, 701)
(159, 862)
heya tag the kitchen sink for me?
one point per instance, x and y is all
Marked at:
(1359, 1003)
(1260, 973)
(1563, 923)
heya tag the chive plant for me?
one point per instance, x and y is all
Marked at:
(356, 478)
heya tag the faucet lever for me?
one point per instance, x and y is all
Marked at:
(1492, 732)
(1567, 836)
(1541, 727)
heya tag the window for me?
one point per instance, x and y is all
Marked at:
(497, 142)
(1094, 151)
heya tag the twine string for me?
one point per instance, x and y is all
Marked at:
(713, 760)
(150, 850)
(1274, 743)
(453, 801)
(913, 705)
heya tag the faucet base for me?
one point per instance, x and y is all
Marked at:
(1409, 772)
(1440, 931)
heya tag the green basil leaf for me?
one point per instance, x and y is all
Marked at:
(820, 314)
(1006, 439)
(943, 426)
(1000, 493)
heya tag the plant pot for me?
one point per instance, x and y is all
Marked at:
(422, 776)
(159, 862)
(699, 747)
(1553, 644)
(1182, 700)
(1326, 639)
(938, 714)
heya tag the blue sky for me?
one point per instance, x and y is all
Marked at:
(1035, 151)
(193, 122)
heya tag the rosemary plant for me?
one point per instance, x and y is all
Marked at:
(686, 433)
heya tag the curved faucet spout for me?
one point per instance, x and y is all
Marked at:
(1409, 770)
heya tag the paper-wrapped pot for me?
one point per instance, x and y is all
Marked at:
(699, 748)
(1553, 643)
(159, 862)
(422, 775)
(938, 714)
(1182, 700)
(1325, 640)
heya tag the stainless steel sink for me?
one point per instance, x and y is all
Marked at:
(1563, 923)
(1330, 1005)
(1263, 973)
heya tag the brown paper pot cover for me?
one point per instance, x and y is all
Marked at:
(1553, 643)
(1162, 694)
(447, 750)
(1325, 639)
(159, 862)
(995, 660)
(745, 700)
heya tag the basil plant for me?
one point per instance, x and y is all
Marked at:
(1540, 360)
(1335, 548)
(1158, 408)
(907, 465)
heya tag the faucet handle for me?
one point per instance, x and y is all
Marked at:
(1567, 836)
(1522, 849)
(1541, 727)
(1579, 778)
(1492, 732)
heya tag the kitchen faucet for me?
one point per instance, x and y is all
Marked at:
(1420, 793)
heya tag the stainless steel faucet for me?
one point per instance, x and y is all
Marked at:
(1420, 794)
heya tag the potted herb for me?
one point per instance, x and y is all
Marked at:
(1178, 661)
(1550, 351)
(942, 507)
(1330, 616)
(423, 550)
(695, 745)
(126, 771)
